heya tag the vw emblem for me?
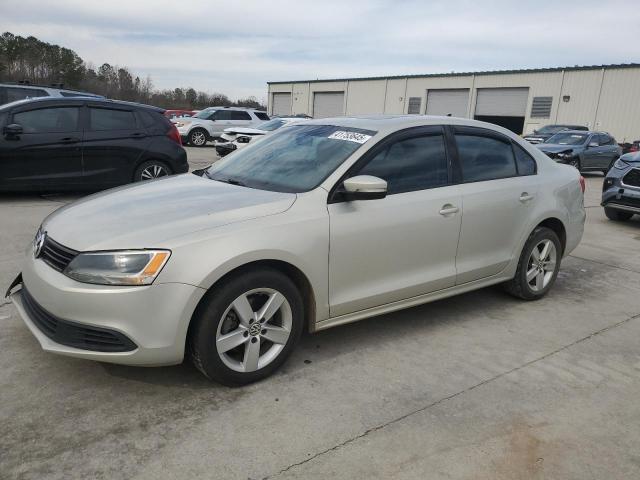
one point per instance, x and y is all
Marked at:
(255, 329)
(38, 243)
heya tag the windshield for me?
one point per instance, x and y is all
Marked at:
(551, 129)
(271, 125)
(567, 139)
(203, 114)
(294, 159)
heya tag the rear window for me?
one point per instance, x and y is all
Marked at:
(108, 119)
(262, 115)
(11, 94)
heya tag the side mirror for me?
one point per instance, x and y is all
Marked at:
(364, 187)
(12, 130)
(594, 144)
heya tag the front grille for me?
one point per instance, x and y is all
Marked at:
(55, 255)
(632, 178)
(74, 334)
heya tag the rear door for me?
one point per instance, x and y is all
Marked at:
(591, 157)
(499, 188)
(610, 151)
(48, 152)
(114, 141)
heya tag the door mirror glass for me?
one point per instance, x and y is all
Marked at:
(13, 130)
(364, 187)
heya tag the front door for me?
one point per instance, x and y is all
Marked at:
(383, 251)
(48, 151)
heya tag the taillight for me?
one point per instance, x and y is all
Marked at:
(583, 185)
(174, 134)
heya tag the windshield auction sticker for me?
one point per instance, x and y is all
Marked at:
(349, 136)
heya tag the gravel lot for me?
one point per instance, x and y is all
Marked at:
(481, 386)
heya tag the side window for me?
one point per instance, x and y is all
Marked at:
(108, 119)
(48, 120)
(608, 140)
(262, 115)
(411, 164)
(221, 115)
(484, 158)
(526, 163)
(3, 119)
(595, 139)
(240, 115)
(17, 93)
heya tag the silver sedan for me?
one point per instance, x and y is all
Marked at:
(324, 222)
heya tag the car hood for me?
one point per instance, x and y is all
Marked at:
(148, 214)
(245, 130)
(555, 148)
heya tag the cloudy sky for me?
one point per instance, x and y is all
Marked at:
(235, 47)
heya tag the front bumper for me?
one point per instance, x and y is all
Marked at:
(155, 318)
(620, 196)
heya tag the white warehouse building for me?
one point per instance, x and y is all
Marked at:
(603, 97)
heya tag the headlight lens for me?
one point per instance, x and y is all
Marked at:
(620, 164)
(131, 267)
(243, 139)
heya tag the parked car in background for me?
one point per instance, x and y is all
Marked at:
(546, 132)
(11, 92)
(236, 138)
(587, 151)
(630, 147)
(317, 225)
(84, 143)
(621, 188)
(209, 124)
(173, 114)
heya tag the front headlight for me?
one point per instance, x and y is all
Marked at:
(129, 267)
(243, 139)
(620, 164)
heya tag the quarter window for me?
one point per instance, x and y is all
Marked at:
(107, 119)
(48, 120)
(262, 115)
(17, 93)
(526, 163)
(484, 158)
(411, 164)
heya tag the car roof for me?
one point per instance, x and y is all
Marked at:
(54, 100)
(385, 124)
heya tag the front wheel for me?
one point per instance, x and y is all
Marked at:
(538, 265)
(246, 327)
(617, 215)
(575, 162)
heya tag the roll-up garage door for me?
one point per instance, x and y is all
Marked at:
(452, 102)
(328, 104)
(281, 104)
(502, 102)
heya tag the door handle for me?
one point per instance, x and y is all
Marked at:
(69, 140)
(448, 209)
(525, 197)
(138, 135)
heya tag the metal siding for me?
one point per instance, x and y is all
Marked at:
(281, 104)
(394, 101)
(619, 107)
(365, 97)
(328, 104)
(504, 102)
(445, 102)
(584, 89)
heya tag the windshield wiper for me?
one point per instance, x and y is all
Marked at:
(231, 181)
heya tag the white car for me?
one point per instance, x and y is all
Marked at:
(209, 123)
(236, 138)
(320, 224)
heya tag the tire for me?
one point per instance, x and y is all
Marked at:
(575, 162)
(617, 215)
(198, 137)
(227, 319)
(522, 288)
(150, 170)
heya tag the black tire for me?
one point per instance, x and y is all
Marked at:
(617, 215)
(575, 162)
(198, 137)
(151, 169)
(518, 285)
(201, 341)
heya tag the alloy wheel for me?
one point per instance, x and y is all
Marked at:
(198, 138)
(541, 265)
(254, 330)
(153, 171)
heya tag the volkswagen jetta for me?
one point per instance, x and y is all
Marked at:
(320, 224)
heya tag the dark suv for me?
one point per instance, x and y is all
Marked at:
(621, 188)
(85, 143)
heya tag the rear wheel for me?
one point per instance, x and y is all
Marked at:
(247, 327)
(198, 137)
(538, 265)
(151, 169)
(617, 215)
